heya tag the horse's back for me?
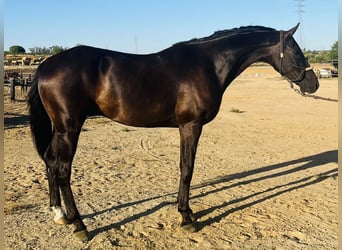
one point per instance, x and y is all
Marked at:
(131, 89)
(161, 89)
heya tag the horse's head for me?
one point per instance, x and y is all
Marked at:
(293, 65)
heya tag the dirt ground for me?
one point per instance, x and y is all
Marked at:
(265, 177)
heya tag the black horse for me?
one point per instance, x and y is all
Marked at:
(181, 86)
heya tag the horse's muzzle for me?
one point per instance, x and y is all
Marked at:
(310, 83)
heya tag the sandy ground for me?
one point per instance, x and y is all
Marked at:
(265, 177)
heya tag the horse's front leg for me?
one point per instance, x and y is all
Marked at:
(189, 136)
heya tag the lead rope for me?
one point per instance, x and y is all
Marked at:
(298, 91)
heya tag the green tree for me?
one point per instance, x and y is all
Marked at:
(56, 49)
(16, 49)
(333, 54)
(47, 51)
(39, 50)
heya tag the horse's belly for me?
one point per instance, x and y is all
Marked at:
(143, 116)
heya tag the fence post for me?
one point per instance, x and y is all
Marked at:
(12, 89)
(26, 84)
(22, 85)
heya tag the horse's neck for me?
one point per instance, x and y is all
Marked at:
(230, 63)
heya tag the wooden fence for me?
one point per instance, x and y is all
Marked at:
(21, 80)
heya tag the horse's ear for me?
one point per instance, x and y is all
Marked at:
(291, 31)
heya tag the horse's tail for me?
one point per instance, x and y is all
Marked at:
(40, 123)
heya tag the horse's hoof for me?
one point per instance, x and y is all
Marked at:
(59, 218)
(81, 236)
(189, 228)
(61, 221)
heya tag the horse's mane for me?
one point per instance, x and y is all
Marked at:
(227, 33)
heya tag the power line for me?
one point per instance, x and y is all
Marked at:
(300, 11)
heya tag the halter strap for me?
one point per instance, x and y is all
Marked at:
(281, 44)
(281, 41)
(282, 58)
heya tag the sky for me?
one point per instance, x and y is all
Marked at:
(147, 26)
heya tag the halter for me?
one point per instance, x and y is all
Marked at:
(282, 59)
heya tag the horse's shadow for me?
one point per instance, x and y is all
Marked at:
(251, 199)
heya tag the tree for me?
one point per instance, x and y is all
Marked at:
(39, 50)
(334, 51)
(47, 51)
(16, 49)
(56, 49)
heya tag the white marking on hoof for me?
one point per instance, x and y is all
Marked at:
(59, 216)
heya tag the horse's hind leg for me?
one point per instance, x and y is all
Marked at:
(50, 159)
(59, 158)
(67, 143)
